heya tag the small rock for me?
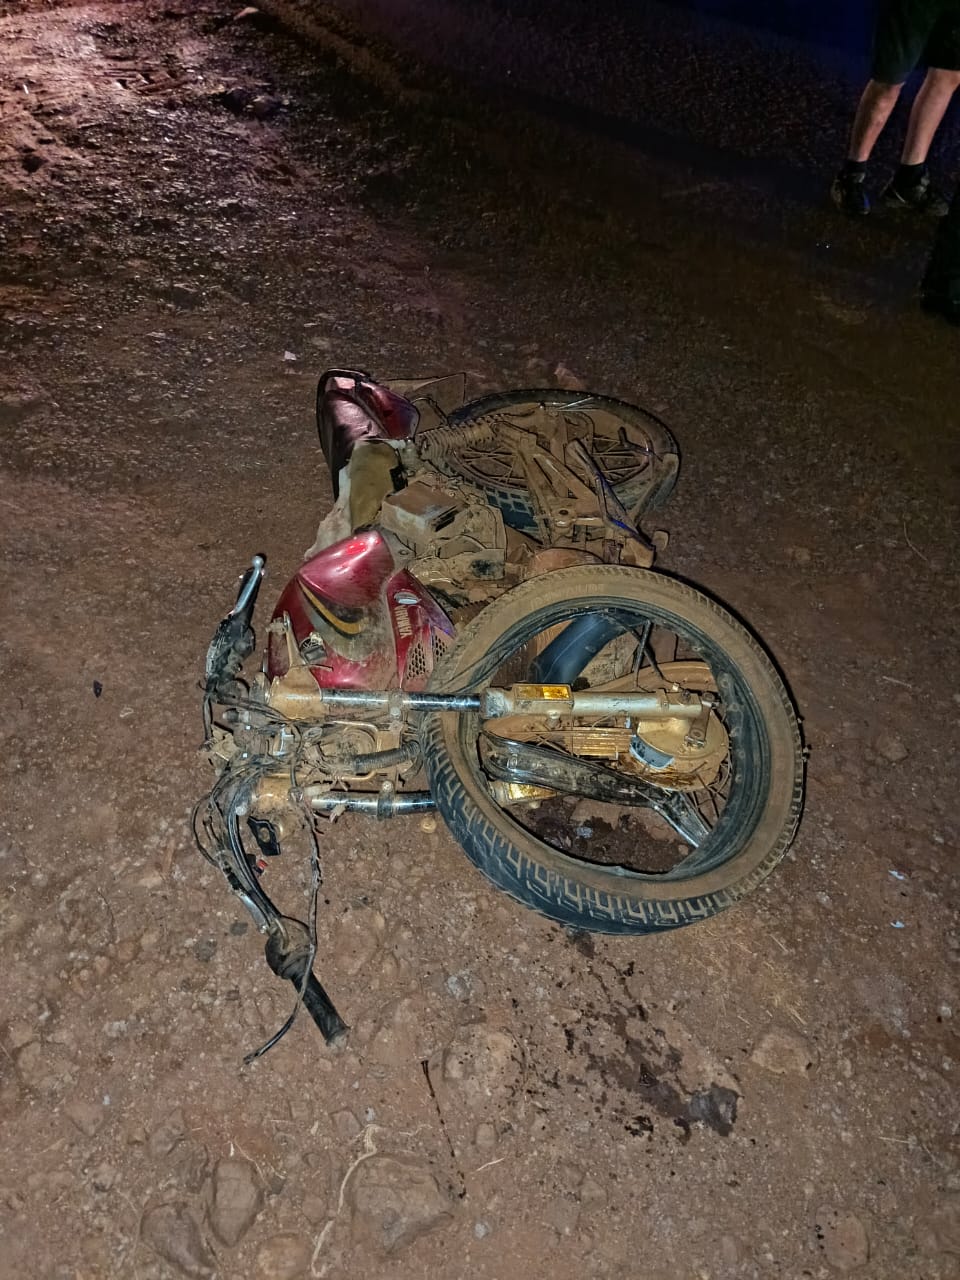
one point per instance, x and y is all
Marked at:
(357, 936)
(173, 1234)
(567, 379)
(103, 1177)
(569, 1176)
(591, 1194)
(19, 1033)
(346, 1124)
(314, 1209)
(784, 1053)
(891, 748)
(87, 1116)
(262, 106)
(459, 985)
(938, 1231)
(715, 1107)
(729, 1251)
(485, 1136)
(167, 1134)
(482, 1066)
(184, 296)
(189, 1165)
(561, 1215)
(283, 1257)
(42, 1067)
(14, 408)
(234, 1198)
(394, 1043)
(394, 1201)
(127, 950)
(844, 1239)
(481, 1230)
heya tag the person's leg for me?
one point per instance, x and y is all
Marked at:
(940, 287)
(899, 38)
(873, 112)
(911, 187)
(927, 111)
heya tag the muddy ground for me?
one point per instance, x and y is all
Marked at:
(771, 1094)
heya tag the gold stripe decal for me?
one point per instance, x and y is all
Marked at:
(339, 624)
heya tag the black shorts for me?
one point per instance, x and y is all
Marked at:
(911, 32)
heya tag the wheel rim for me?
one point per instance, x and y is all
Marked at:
(622, 450)
(731, 804)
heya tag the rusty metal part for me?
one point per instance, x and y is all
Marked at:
(274, 795)
(546, 559)
(677, 761)
(554, 701)
(295, 695)
(523, 762)
(676, 752)
(687, 673)
(512, 793)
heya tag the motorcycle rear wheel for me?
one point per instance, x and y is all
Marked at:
(642, 474)
(756, 819)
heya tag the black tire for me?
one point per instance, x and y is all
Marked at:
(753, 832)
(646, 489)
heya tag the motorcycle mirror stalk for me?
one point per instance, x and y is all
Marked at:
(234, 639)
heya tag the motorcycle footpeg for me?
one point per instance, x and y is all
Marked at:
(288, 952)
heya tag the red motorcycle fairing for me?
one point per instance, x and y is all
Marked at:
(378, 625)
(351, 407)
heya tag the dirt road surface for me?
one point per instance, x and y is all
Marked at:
(770, 1094)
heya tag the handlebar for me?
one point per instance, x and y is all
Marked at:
(288, 952)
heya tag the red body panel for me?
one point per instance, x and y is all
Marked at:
(380, 627)
(351, 573)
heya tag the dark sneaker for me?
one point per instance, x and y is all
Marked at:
(922, 197)
(848, 194)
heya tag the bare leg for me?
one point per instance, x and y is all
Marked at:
(876, 103)
(927, 111)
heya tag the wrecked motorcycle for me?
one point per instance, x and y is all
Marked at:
(478, 630)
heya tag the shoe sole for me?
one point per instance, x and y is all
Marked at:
(900, 205)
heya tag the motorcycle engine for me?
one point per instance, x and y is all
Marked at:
(454, 535)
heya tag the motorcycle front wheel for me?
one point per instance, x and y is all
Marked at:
(726, 799)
